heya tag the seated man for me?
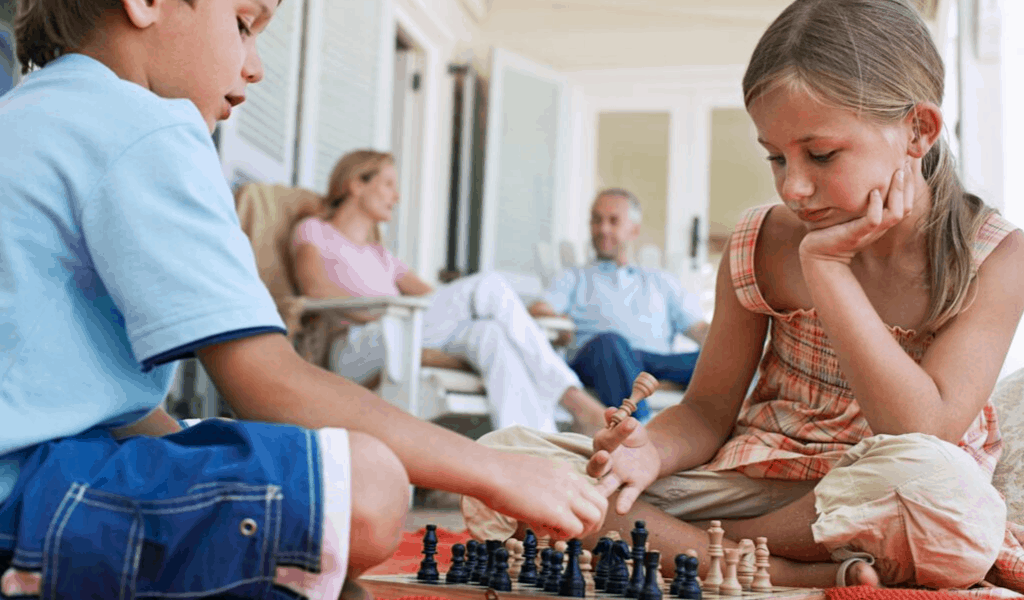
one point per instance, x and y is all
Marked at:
(626, 316)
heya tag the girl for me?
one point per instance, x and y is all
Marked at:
(888, 297)
(479, 318)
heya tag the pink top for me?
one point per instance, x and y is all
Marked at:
(369, 270)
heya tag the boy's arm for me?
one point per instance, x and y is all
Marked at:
(263, 379)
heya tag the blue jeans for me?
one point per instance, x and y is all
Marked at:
(609, 365)
(207, 512)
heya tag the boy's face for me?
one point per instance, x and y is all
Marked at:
(206, 52)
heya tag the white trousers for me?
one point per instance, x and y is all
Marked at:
(482, 319)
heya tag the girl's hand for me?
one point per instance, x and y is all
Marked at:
(842, 242)
(624, 456)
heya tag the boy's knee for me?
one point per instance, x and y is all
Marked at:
(380, 501)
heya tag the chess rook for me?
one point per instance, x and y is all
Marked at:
(643, 386)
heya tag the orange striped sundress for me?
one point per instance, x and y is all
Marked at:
(801, 416)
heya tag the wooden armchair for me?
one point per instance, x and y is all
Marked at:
(427, 383)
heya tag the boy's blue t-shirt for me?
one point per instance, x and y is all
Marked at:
(120, 252)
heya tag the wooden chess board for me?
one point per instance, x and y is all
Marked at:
(397, 586)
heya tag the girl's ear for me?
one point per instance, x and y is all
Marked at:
(142, 13)
(925, 121)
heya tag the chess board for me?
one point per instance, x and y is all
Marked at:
(397, 586)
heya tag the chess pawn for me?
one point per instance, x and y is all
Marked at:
(457, 571)
(545, 567)
(555, 576)
(561, 546)
(515, 557)
(587, 568)
(714, 577)
(643, 386)
(745, 568)
(470, 559)
(500, 581)
(613, 535)
(730, 585)
(680, 574)
(762, 581)
(693, 553)
(690, 588)
(481, 563)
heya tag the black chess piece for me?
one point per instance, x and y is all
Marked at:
(490, 547)
(457, 571)
(618, 572)
(545, 567)
(690, 589)
(471, 558)
(428, 566)
(680, 574)
(651, 590)
(573, 585)
(481, 563)
(500, 581)
(636, 581)
(528, 573)
(602, 549)
(551, 585)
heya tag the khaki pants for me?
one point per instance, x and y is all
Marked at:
(921, 506)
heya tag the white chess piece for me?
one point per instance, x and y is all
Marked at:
(730, 585)
(515, 557)
(762, 581)
(745, 569)
(714, 577)
(587, 568)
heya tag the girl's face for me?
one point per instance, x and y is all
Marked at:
(826, 160)
(378, 197)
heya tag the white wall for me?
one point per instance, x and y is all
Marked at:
(1013, 132)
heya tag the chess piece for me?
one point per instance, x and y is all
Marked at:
(428, 566)
(500, 581)
(639, 535)
(515, 557)
(651, 590)
(618, 574)
(490, 548)
(693, 553)
(545, 567)
(680, 574)
(714, 577)
(643, 386)
(613, 535)
(555, 576)
(481, 563)
(690, 588)
(587, 569)
(745, 568)
(470, 558)
(730, 585)
(762, 581)
(573, 585)
(528, 572)
(457, 571)
(561, 546)
(603, 551)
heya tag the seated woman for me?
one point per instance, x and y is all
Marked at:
(479, 318)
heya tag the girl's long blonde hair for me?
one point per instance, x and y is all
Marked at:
(877, 58)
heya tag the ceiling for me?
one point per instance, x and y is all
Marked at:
(602, 34)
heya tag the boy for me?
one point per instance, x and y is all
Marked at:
(120, 253)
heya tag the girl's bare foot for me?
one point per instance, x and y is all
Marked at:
(587, 411)
(861, 573)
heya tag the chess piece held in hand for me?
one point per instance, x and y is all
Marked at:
(643, 386)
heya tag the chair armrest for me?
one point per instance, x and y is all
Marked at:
(394, 306)
(556, 327)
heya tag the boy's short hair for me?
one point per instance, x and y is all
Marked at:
(46, 29)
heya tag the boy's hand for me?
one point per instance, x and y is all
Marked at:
(842, 242)
(549, 496)
(624, 456)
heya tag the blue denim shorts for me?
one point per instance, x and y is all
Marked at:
(209, 511)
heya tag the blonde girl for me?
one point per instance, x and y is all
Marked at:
(887, 296)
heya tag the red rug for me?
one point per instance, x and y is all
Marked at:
(410, 553)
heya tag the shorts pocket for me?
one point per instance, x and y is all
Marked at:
(219, 539)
